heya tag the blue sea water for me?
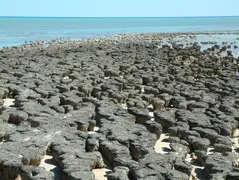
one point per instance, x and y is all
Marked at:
(17, 30)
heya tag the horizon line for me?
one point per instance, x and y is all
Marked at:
(115, 16)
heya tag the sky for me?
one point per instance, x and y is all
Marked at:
(119, 8)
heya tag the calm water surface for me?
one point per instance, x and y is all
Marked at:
(17, 30)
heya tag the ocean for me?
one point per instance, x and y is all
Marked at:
(17, 30)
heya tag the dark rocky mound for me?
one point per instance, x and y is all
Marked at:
(64, 91)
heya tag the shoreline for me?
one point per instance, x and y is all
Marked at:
(118, 37)
(226, 41)
(74, 105)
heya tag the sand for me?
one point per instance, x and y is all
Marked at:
(95, 130)
(8, 102)
(162, 146)
(50, 164)
(124, 106)
(235, 144)
(101, 174)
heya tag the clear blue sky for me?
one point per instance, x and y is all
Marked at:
(119, 8)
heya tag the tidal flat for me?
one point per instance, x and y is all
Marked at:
(128, 106)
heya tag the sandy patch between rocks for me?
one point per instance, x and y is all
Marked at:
(8, 102)
(235, 144)
(50, 164)
(197, 171)
(95, 130)
(101, 174)
(161, 145)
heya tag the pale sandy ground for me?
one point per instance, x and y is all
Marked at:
(50, 165)
(151, 112)
(101, 174)
(8, 102)
(95, 130)
(235, 144)
(161, 145)
(197, 171)
(124, 106)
